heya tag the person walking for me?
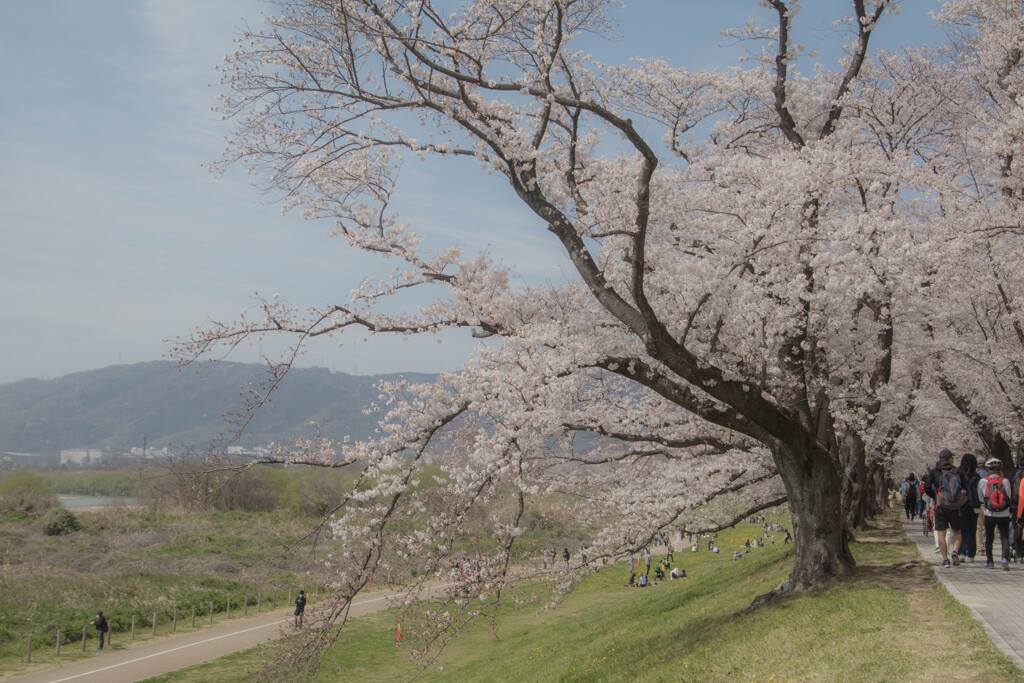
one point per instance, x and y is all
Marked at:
(908, 494)
(995, 493)
(946, 487)
(100, 622)
(1016, 478)
(565, 556)
(300, 608)
(969, 536)
(647, 561)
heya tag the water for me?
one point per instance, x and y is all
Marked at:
(73, 502)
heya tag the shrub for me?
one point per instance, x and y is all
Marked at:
(247, 491)
(26, 492)
(60, 521)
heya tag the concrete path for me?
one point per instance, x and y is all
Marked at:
(994, 596)
(170, 654)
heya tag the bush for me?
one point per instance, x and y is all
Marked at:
(26, 492)
(247, 491)
(60, 521)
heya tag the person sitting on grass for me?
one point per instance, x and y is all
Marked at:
(659, 573)
(642, 582)
(677, 573)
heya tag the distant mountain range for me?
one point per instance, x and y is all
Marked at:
(115, 408)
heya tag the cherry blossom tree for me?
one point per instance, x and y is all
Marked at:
(970, 299)
(749, 251)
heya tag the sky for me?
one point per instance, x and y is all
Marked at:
(115, 236)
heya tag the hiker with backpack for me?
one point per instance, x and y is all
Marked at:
(969, 537)
(908, 494)
(948, 489)
(995, 494)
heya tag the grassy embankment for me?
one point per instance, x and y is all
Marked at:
(891, 621)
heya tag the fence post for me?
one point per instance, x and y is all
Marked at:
(57, 652)
(211, 612)
(174, 625)
(84, 634)
(133, 627)
(259, 601)
(316, 591)
(193, 616)
(289, 596)
(110, 631)
(245, 605)
(275, 600)
(29, 657)
(228, 613)
(154, 623)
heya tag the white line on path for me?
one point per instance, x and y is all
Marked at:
(201, 642)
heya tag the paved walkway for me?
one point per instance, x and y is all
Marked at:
(993, 595)
(153, 658)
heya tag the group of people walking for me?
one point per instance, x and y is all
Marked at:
(957, 496)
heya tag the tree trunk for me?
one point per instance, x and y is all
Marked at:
(814, 488)
(878, 490)
(858, 488)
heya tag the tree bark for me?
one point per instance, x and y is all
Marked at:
(861, 494)
(814, 486)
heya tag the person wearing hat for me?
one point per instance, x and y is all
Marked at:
(994, 491)
(946, 518)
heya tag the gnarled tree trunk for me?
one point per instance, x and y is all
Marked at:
(814, 486)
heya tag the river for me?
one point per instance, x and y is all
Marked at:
(75, 501)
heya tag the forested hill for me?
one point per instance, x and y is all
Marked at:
(114, 407)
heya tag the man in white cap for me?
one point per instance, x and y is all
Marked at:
(994, 491)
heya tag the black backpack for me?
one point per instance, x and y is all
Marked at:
(973, 498)
(1015, 479)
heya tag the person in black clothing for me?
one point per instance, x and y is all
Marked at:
(1018, 528)
(300, 608)
(910, 497)
(969, 539)
(100, 622)
(946, 518)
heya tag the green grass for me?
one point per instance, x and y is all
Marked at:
(888, 622)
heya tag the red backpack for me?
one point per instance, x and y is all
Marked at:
(996, 499)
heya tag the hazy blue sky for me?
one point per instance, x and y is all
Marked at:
(115, 237)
